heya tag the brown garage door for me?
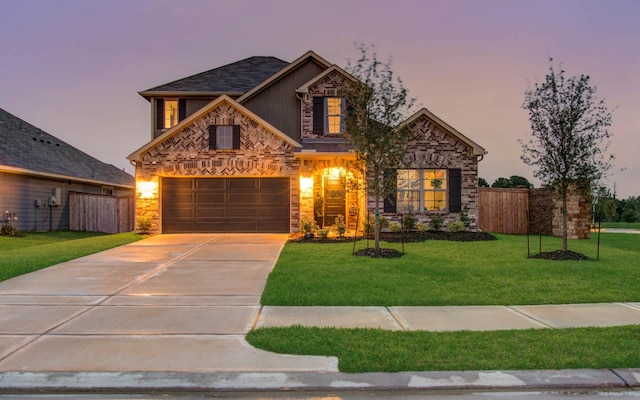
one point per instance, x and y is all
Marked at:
(225, 205)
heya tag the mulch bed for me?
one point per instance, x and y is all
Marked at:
(407, 237)
(560, 255)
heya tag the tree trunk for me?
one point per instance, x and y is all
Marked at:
(565, 220)
(376, 226)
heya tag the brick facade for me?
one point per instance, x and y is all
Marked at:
(578, 215)
(330, 85)
(187, 154)
(439, 149)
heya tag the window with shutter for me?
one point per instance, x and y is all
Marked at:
(224, 137)
(329, 115)
(427, 190)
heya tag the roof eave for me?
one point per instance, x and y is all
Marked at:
(24, 171)
(147, 94)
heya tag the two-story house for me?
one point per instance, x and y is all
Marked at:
(256, 145)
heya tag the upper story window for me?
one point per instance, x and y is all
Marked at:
(329, 115)
(224, 137)
(422, 190)
(169, 112)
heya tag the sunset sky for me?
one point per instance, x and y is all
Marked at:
(74, 67)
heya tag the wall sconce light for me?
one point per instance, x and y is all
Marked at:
(306, 187)
(147, 189)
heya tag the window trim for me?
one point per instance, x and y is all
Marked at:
(327, 116)
(214, 137)
(423, 191)
(320, 115)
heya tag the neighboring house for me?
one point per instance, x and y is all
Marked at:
(38, 170)
(256, 145)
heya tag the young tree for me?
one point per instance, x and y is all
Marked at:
(483, 182)
(569, 135)
(378, 103)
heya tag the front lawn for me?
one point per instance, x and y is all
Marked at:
(621, 225)
(373, 350)
(33, 251)
(456, 273)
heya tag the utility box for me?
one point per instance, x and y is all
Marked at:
(57, 194)
(37, 203)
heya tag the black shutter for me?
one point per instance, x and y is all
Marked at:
(182, 109)
(455, 190)
(318, 115)
(159, 113)
(391, 178)
(236, 137)
(212, 137)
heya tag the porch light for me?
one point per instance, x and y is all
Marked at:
(306, 187)
(147, 189)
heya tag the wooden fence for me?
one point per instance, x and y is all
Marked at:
(503, 210)
(99, 213)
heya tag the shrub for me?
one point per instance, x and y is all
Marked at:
(9, 230)
(436, 222)
(395, 226)
(456, 226)
(308, 225)
(422, 227)
(323, 233)
(341, 226)
(370, 221)
(144, 224)
(465, 218)
(409, 221)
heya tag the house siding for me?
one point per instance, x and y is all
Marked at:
(25, 189)
(187, 154)
(278, 103)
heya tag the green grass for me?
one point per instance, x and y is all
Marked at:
(621, 225)
(34, 251)
(452, 273)
(371, 350)
(456, 273)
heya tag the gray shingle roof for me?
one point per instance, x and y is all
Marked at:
(240, 76)
(27, 147)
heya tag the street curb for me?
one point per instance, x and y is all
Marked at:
(69, 382)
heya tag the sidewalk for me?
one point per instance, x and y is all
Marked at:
(451, 318)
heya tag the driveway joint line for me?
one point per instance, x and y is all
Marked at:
(135, 281)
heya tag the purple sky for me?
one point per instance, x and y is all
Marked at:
(73, 67)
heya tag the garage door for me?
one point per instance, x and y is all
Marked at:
(225, 205)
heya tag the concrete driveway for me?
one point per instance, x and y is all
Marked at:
(179, 303)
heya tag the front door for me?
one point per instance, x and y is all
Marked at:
(334, 199)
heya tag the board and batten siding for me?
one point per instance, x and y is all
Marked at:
(278, 104)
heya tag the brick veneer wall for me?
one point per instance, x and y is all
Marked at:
(541, 211)
(187, 154)
(438, 149)
(330, 85)
(545, 214)
(578, 214)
